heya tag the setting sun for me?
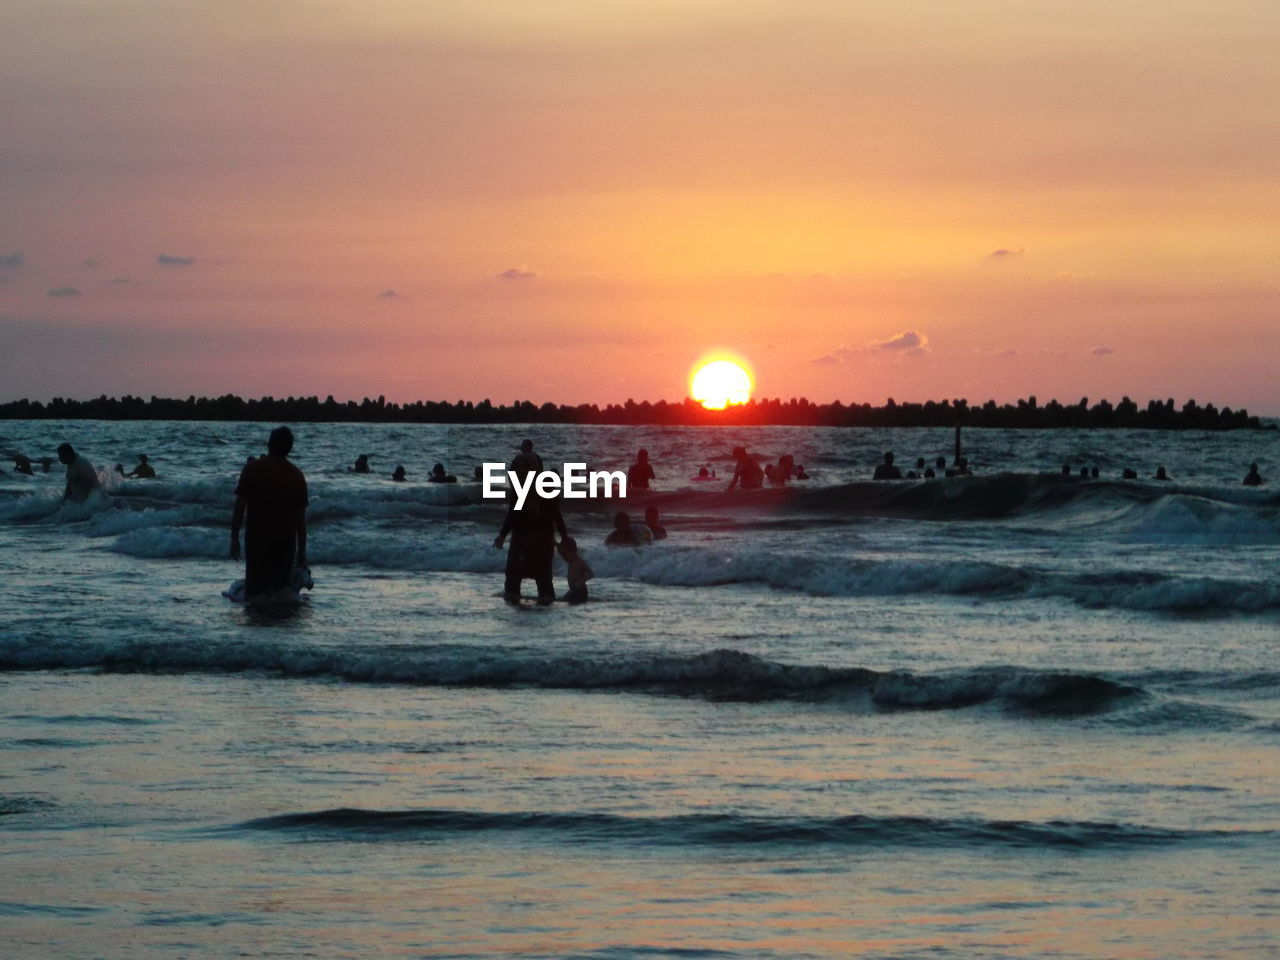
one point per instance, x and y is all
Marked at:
(719, 383)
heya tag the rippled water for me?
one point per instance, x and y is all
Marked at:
(1008, 715)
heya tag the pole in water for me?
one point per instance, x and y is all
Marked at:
(956, 459)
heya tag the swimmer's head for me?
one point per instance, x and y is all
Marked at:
(66, 452)
(526, 446)
(621, 521)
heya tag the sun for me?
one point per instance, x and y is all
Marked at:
(720, 383)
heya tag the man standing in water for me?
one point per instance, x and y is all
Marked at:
(274, 493)
(533, 534)
(82, 479)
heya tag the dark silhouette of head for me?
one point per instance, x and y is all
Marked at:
(941, 463)
(142, 458)
(739, 453)
(568, 547)
(1160, 473)
(526, 446)
(703, 472)
(1129, 474)
(438, 469)
(642, 455)
(1253, 467)
(1066, 469)
(398, 474)
(280, 443)
(929, 474)
(66, 452)
(1093, 472)
(888, 458)
(919, 463)
(621, 521)
(1084, 471)
(650, 514)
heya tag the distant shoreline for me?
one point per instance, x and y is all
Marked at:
(1024, 414)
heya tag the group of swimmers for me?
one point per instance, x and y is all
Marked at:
(438, 473)
(887, 470)
(81, 487)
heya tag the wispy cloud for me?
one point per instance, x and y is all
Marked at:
(1004, 253)
(11, 260)
(1101, 351)
(64, 292)
(517, 273)
(909, 343)
(388, 295)
(168, 260)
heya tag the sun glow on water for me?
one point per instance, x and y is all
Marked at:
(719, 383)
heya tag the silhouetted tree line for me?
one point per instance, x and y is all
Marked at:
(1158, 415)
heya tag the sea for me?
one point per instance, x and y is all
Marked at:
(1006, 715)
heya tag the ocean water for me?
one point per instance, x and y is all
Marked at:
(1007, 715)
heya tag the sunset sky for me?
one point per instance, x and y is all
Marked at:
(574, 201)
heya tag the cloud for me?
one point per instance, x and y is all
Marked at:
(90, 263)
(909, 342)
(1101, 351)
(517, 273)
(1005, 354)
(12, 260)
(165, 260)
(1005, 254)
(388, 295)
(64, 292)
(122, 281)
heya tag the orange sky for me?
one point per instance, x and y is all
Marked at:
(574, 201)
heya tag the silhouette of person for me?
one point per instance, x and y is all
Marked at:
(579, 571)
(438, 475)
(621, 535)
(920, 463)
(22, 464)
(1160, 473)
(929, 474)
(746, 472)
(1253, 478)
(1066, 469)
(703, 474)
(144, 470)
(532, 529)
(800, 474)
(1084, 472)
(641, 472)
(1129, 474)
(82, 479)
(526, 459)
(1094, 471)
(362, 464)
(940, 464)
(272, 493)
(886, 470)
(398, 474)
(651, 521)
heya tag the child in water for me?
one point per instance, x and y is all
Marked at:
(579, 570)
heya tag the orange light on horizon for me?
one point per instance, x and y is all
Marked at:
(716, 384)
